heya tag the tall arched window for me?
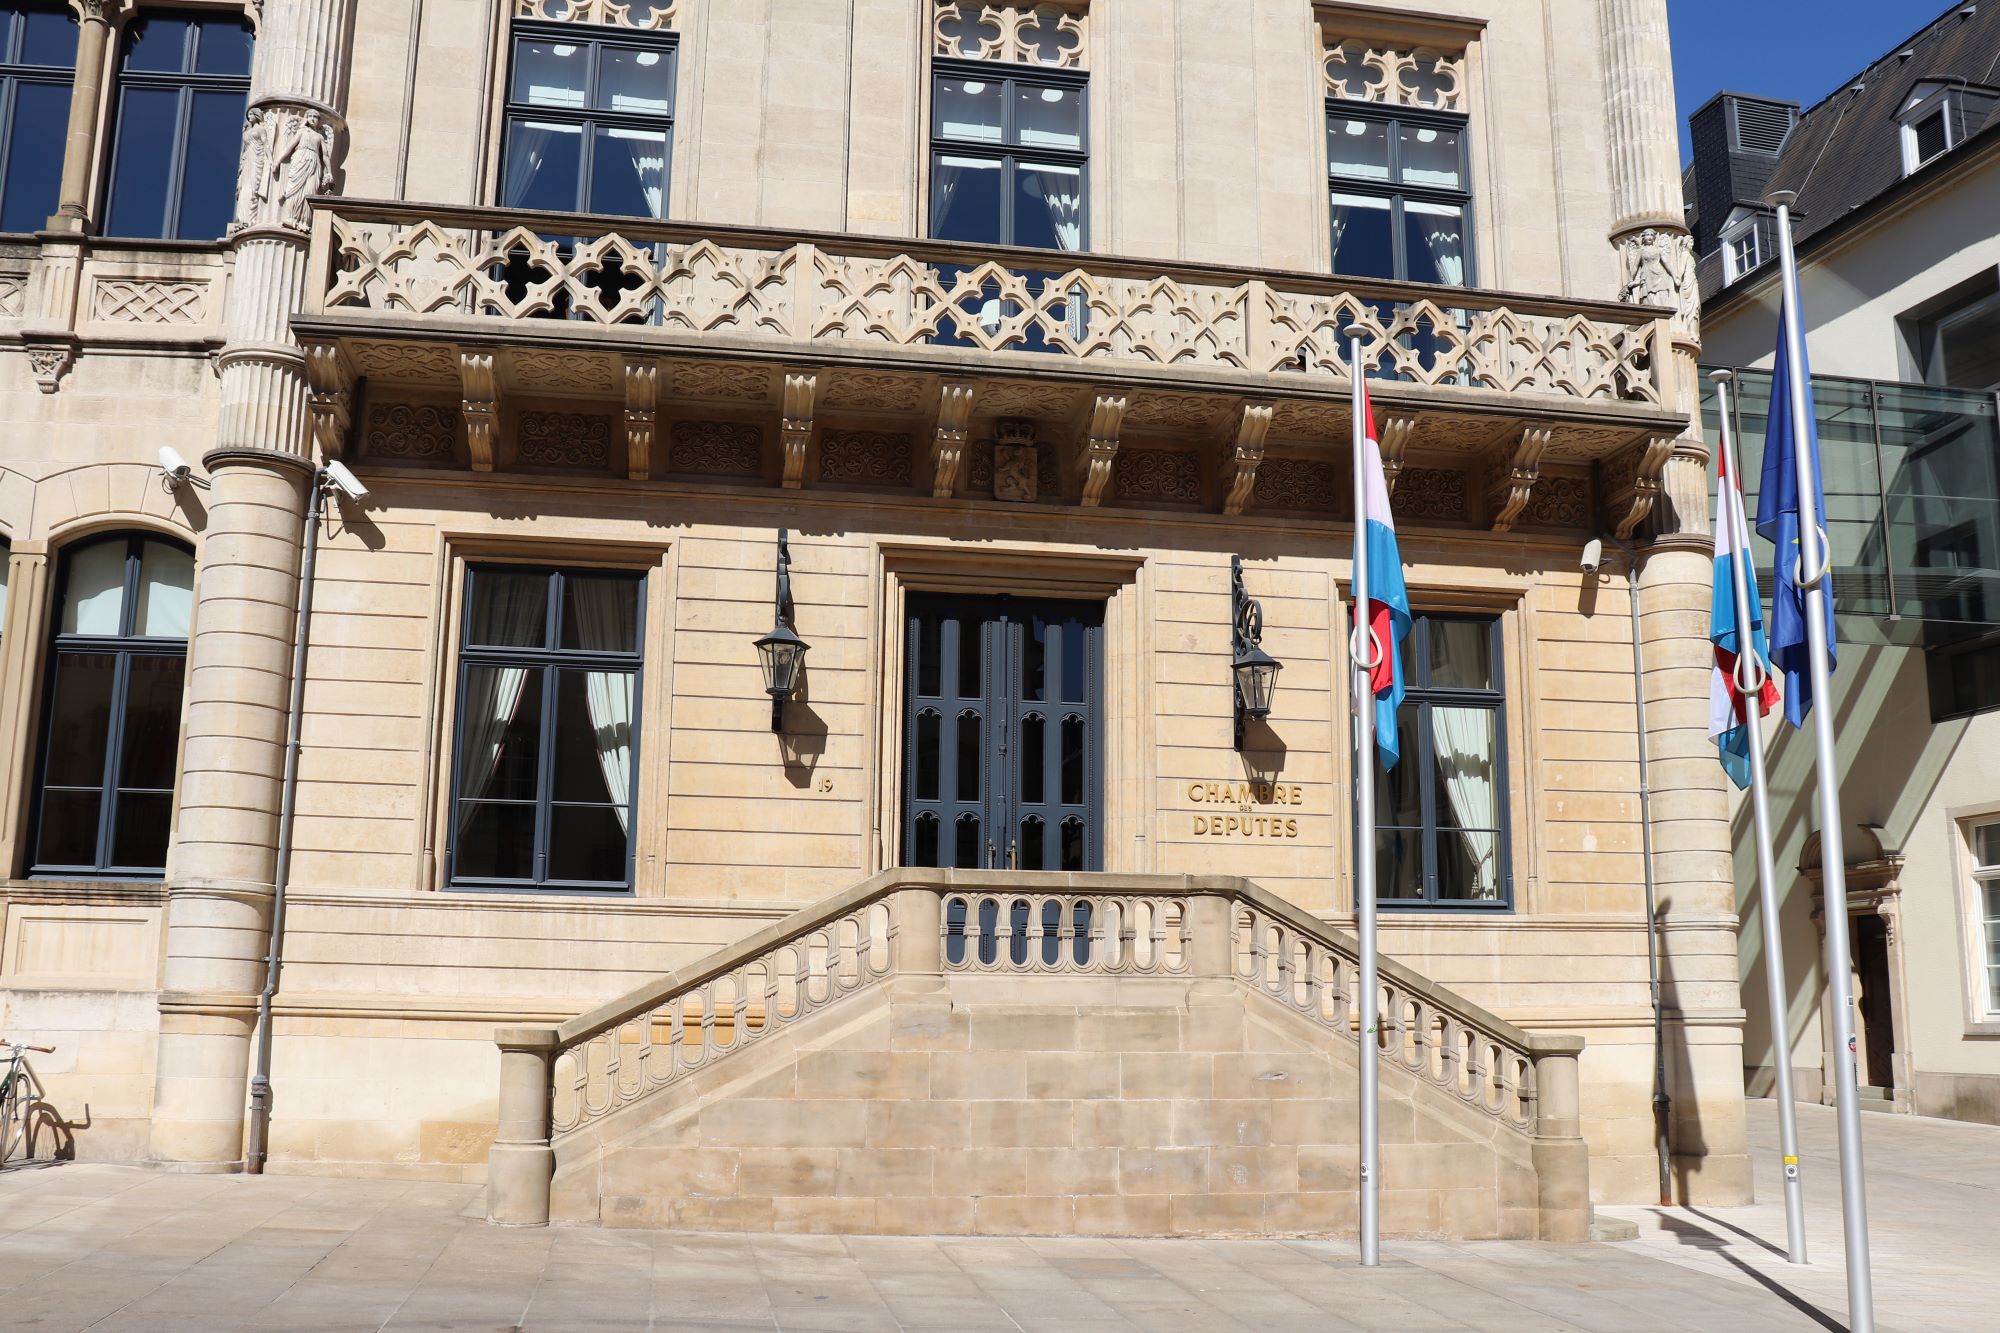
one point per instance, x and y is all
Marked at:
(111, 722)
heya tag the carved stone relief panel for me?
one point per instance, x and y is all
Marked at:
(1177, 411)
(565, 440)
(1043, 401)
(1170, 476)
(717, 449)
(13, 294)
(1366, 71)
(1027, 33)
(410, 432)
(563, 374)
(865, 457)
(721, 381)
(645, 15)
(873, 391)
(410, 363)
(1432, 494)
(149, 300)
(1561, 500)
(1296, 483)
(1013, 467)
(288, 156)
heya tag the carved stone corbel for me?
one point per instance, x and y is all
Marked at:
(1513, 482)
(1244, 453)
(948, 436)
(1394, 439)
(1631, 483)
(330, 395)
(1100, 444)
(642, 397)
(796, 428)
(480, 403)
(50, 360)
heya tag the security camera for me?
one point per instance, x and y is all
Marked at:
(1593, 555)
(175, 470)
(350, 485)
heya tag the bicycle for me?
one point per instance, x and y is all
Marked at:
(20, 1098)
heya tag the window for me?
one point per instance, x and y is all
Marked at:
(590, 121)
(1441, 813)
(1985, 839)
(6, 552)
(1398, 182)
(1745, 245)
(1962, 670)
(1936, 118)
(1009, 162)
(547, 729)
(183, 80)
(1959, 348)
(111, 727)
(37, 67)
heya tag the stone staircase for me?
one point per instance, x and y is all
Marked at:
(955, 1052)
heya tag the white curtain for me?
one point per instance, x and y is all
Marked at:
(1444, 235)
(606, 616)
(1464, 741)
(492, 697)
(1062, 192)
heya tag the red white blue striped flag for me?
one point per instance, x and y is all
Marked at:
(1388, 598)
(1729, 720)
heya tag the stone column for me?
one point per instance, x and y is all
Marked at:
(1692, 861)
(93, 38)
(224, 859)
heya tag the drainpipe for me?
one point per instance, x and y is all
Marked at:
(257, 1149)
(1662, 1103)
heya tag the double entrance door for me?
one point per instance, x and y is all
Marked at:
(1002, 722)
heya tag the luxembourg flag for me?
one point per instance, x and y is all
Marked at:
(1728, 710)
(1388, 598)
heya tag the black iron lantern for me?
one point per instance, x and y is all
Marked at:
(1255, 671)
(782, 651)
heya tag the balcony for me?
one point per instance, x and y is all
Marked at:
(1912, 478)
(456, 338)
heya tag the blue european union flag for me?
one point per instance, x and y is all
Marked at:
(1778, 522)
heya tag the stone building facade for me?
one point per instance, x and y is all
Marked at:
(1016, 327)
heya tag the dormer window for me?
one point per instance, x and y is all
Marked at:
(1747, 241)
(1937, 117)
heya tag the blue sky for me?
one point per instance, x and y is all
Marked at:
(1800, 50)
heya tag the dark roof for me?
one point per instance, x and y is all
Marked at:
(1846, 151)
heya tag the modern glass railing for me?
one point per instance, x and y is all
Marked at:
(1912, 478)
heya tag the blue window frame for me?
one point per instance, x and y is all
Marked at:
(1398, 187)
(183, 81)
(543, 787)
(1441, 813)
(112, 708)
(1010, 160)
(37, 73)
(590, 121)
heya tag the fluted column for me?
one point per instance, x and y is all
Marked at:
(224, 859)
(1694, 880)
(93, 37)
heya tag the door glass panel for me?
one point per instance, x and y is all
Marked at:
(501, 734)
(1468, 865)
(966, 851)
(144, 158)
(1461, 654)
(930, 655)
(551, 73)
(1072, 760)
(600, 614)
(1033, 856)
(970, 754)
(509, 610)
(152, 726)
(628, 171)
(593, 756)
(544, 165)
(1434, 241)
(69, 828)
(971, 663)
(166, 591)
(1048, 206)
(929, 725)
(969, 109)
(1364, 244)
(208, 171)
(80, 719)
(1358, 148)
(1072, 844)
(1430, 155)
(94, 596)
(1462, 742)
(1033, 755)
(634, 80)
(586, 842)
(1399, 798)
(1074, 664)
(926, 851)
(965, 198)
(1034, 660)
(1048, 117)
(496, 840)
(1399, 864)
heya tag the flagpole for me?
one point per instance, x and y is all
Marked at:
(1365, 655)
(1751, 674)
(1814, 564)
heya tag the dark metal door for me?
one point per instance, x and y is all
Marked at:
(1003, 723)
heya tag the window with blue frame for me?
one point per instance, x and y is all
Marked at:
(1009, 156)
(1441, 813)
(112, 708)
(547, 729)
(590, 121)
(183, 81)
(37, 71)
(1398, 183)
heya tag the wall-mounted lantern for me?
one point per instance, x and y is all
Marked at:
(1255, 671)
(782, 650)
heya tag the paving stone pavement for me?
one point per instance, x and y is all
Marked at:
(122, 1248)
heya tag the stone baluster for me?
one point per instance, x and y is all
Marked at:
(224, 860)
(520, 1166)
(1562, 1158)
(1694, 880)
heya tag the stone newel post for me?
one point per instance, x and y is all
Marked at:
(521, 1165)
(224, 860)
(1695, 884)
(1562, 1159)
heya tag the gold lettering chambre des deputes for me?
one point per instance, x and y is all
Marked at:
(1246, 822)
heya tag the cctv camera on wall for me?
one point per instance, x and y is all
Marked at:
(349, 484)
(1593, 555)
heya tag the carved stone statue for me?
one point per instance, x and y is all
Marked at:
(253, 171)
(1660, 270)
(305, 159)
